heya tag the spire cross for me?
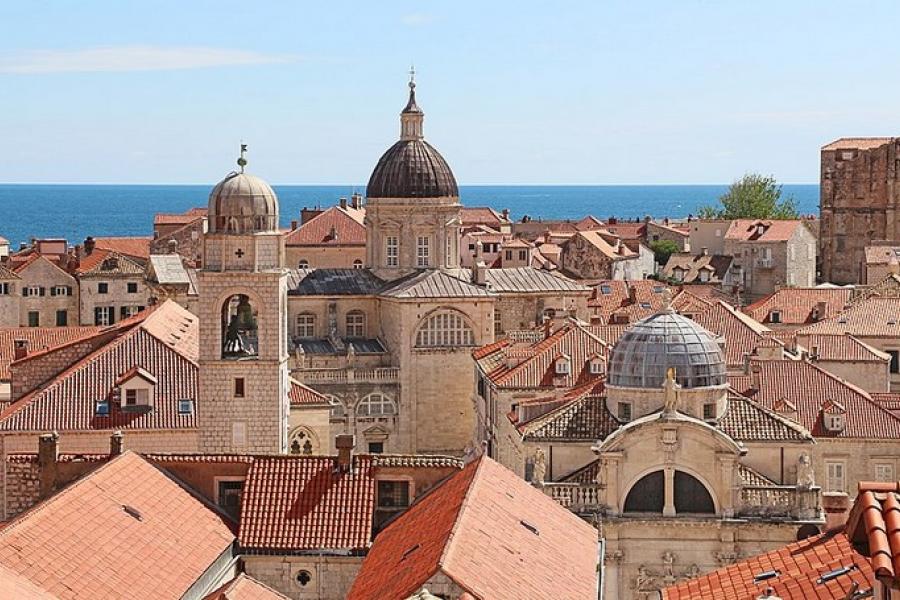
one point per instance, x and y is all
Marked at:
(242, 161)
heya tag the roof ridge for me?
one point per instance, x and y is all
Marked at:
(774, 414)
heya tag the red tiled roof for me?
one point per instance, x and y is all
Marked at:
(244, 587)
(745, 230)
(480, 215)
(68, 402)
(857, 143)
(95, 263)
(647, 300)
(535, 363)
(302, 395)
(39, 338)
(798, 305)
(874, 528)
(841, 347)
(871, 317)
(16, 587)
(610, 246)
(124, 531)
(799, 566)
(492, 534)
(882, 254)
(810, 389)
(627, 231)
(180, 219)
(293, 503)
(135, 247)
(742, 334)
(335, 226)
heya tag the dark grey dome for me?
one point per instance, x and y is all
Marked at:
(412, 169)
(645, 352)
(242, 203)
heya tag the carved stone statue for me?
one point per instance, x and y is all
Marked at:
(668, 565)
(540, 468)
(805, 477)
(671, 392)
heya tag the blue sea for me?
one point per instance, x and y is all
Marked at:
(77, 211)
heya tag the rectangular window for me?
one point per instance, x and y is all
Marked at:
(376, 447)
(238, 387)
(391, 498)
(775, 317)
(356, 325)
(34, 318)
(498, 322)
(136, 397)
(423, 251)
(709, 412)
(104, 315)
(508, 255)
(102, 288)
(239, 434)
(132, 287)
(393, 250)
(4, 289)
(62, 318)
(884, 472)
(834, 476)
(523, 254)
(895, 360)
(306, 325)
(32, 290)
(59, 290)
(624, 410)
(185, 407)
(229, 497)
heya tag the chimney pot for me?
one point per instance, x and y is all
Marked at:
(89, 245)
(356, 200)
(343, 202)
(344, 443)
(21, 349)
(293, 224)
(116, 443)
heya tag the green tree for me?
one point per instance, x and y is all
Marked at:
(663, 249)
(753, 196)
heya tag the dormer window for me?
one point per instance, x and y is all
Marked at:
(596, 366)
(775, 316)
(136, 387)
(833, 416)
(834, 423)
(185, 407)
(704, 275)
(605, 290)
(563, 365)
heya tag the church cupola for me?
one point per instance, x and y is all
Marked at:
(412, 117)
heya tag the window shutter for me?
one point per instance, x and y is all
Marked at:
(96, 315)
(112, 315)
(25, 291)
(53, 291)
(43, 290)
(68, 290)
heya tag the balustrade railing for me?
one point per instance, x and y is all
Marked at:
(373, 375)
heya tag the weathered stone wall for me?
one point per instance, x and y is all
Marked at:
(325, 256)
(116, 297)
(44, 274)
(330, 577)
(860, 198)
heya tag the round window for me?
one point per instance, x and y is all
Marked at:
(303, 578)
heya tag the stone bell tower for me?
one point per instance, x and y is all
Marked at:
(243, 401)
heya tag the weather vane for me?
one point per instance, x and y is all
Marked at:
(412, 75)
(242, 161)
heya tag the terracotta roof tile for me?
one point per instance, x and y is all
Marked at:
(742, 334)
(334, 226)
(302, 395)
(108, 262)
(857, 143)
(746, 230)
(481, 215)
(874, 528)
(244, 587)
(491, 533)
(124, 531)
(839, 347)
(873, 316)
(583, 419)
(180, 219)
(294, 503)
(799, 566)
(39, 338)
(798, 306)
(747, 421)
(134, 247)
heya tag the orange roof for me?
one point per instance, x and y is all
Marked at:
(96, 262)
(627, 230)
(842, 347)
(610, 246)
(875, 316)
(492, 534)
(39, 338)
(874, 528)
(746, 230)
(135, 247)
(296, 503)
(302, 395)
(124, 531)
(857, 143)
(244, 587)
(798, 305)
(613, 297)
(797, 568)
(180, 219)
(334, 226)
(481, 215)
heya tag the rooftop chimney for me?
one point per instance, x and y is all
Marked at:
(820, 310)
(704, 251)
(837, 508)
(48, 457)
(332, 233)
(754, 376)
(173, 246)
(89, 245)
(343, 202)
(344, 443)
(480, 273)
(505, 214)
(293, 224)
(632, 294)
(547, 325)
(116, 443)
(21, 349)
(356, 200)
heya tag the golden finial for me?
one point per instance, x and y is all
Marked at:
(242, 160)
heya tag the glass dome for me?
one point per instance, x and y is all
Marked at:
(645, 352)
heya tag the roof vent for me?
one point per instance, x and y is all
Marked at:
(766, 575)
(530, 527)
(835, 574)
(133, 512)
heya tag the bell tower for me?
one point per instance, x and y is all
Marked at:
(243, 398)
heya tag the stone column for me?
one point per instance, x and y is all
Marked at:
(669, 487)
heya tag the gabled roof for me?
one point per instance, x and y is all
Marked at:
(20, 266)
(293, 503)
(107, 262)
(303, 395)
(842, 347)
(584, 419)
(133, 247)
(691, 265)
(606, 243)
(627, 230)
(747, 230)
(432, 284)
(748, 421)
(742, 334)
(875, 316)
(124, 531)
(533, 364)
(798, 306)
(181, 218)
(614, 297)
(335, 226)
(481, 215)
(492, 534)
(810, 387)
(158, 345)
(244, 587)
(333, 282)
(526, 280)
(799, 566)
(38, 338)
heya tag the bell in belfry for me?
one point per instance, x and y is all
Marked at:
(245, 319)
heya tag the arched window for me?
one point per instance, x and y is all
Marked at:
(306, 325)
(303, 264)
(357, 264)
(691, 495)
(376, 405)
(336, 410)
(356, 324)
(445, 329)
(647, 495)
(303, 442)
(239, 328)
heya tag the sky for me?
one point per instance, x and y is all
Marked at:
(524, 92)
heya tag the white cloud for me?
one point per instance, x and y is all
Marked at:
(417, 19)
(133, 58)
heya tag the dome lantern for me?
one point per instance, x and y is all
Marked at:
(242, 203)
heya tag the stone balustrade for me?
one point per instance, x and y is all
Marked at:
(577, 497)
(373, 375)
(780, 501)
